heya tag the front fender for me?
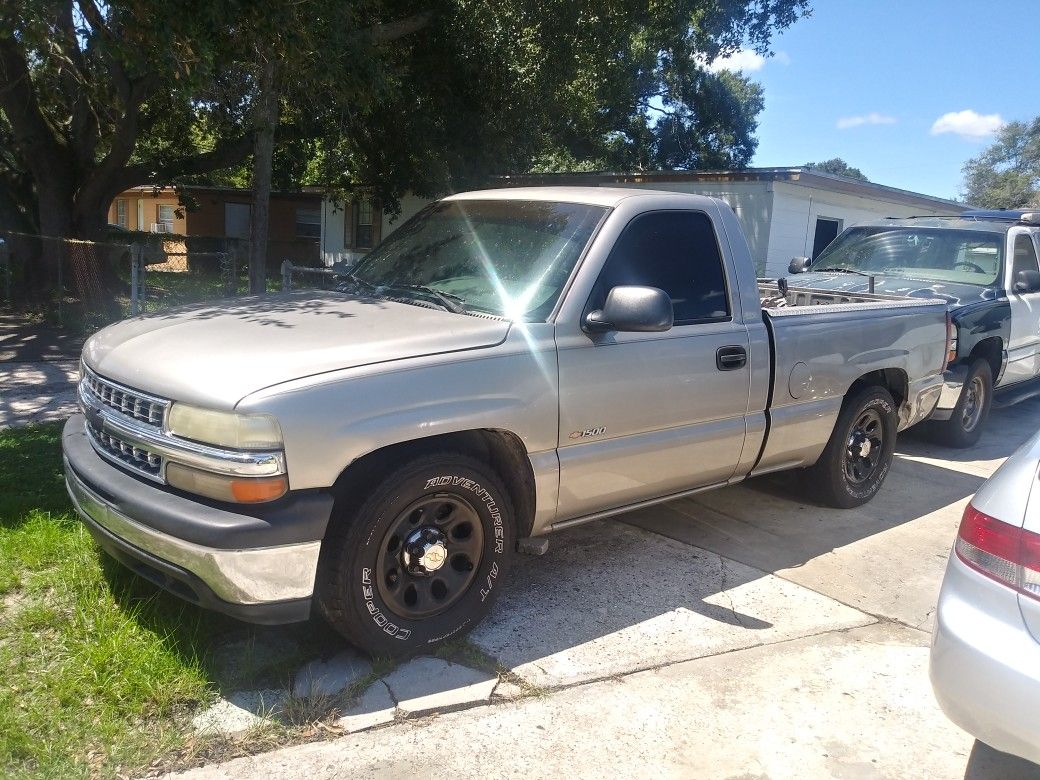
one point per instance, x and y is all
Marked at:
(332, 421)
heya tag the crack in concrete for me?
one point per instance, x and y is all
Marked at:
(724, 590)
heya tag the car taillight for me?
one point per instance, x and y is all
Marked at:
(1006, 553)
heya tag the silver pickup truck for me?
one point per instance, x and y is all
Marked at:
(506, 364)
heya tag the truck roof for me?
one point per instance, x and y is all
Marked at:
(946, 223)
(594, 196)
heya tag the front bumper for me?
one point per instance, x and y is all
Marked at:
(258, 567)
(953, 381)
(920, 401)
(985, 665)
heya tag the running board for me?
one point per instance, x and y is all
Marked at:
(1016, 393)
(559, 526)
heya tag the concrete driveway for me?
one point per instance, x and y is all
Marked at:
(739, 634)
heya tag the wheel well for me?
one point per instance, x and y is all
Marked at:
(503, 450)
(991, 350)
(892, 379)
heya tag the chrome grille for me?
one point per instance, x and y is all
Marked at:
(135, 457)
(132, 403)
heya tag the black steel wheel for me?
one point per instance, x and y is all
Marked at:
(419, 559)
(859, 453)
(865, 446)
(430, 555)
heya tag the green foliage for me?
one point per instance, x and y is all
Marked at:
(838, 166)
(1007, 174)
(427, 97)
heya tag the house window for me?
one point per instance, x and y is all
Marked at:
(165, 214)
(121, 212)
(363, 233)
(308, 223)
(826, 231)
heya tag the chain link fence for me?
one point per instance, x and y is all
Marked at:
(86, 284)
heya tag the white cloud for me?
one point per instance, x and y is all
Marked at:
(782, 57)
(968, 124)
(873, 118)
(745, 60)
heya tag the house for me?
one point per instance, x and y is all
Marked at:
(195, 212)
(785, 212)
(349, 229)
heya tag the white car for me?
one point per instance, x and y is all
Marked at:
(985, 660)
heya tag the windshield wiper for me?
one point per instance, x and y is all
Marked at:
(450, 302)
(841, 270)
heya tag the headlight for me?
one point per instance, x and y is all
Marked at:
(242, 490)
(225, 429)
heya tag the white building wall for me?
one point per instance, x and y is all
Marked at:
(333, 233)
(797, 206)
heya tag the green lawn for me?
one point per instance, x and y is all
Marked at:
(100, 670)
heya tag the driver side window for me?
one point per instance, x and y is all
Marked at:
(675, 251)
(1024, 257)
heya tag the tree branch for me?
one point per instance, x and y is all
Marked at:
(95, 19)
(29, 126)
(223, 155)
(391, 31)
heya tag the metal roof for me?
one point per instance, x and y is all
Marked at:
(799, 175)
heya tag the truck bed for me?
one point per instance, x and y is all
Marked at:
(769, 296)
(822, 341)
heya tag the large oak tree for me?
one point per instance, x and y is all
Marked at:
(427, 96)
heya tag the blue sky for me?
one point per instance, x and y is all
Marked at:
(905, 91)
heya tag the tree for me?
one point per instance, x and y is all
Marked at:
(432, 96)
(837, 166)
(1007, 174)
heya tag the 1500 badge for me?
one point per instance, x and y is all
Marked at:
(588, 432)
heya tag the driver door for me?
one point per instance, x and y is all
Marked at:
(644, 415)
(1024, 341)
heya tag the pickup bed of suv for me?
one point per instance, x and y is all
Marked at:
(984, 265)
(506, 364)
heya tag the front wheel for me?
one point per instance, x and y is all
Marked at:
(421, 559)
(859, 453)
(964, 427)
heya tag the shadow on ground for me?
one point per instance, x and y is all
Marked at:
(26, 341)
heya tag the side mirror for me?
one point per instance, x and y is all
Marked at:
(1026, 282)
(632, 309)
(799, 265)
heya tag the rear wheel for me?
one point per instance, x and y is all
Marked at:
(859, 453)
(964, 427)
(421, 559)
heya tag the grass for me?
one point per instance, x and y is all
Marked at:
(100, 671)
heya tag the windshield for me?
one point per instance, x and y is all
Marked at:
(505, 257)
(931, 254)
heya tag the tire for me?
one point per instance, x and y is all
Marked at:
(964, 427)
(377, 586)
(844, 477)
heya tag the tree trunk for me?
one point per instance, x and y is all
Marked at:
(45, 277)
(263, 150)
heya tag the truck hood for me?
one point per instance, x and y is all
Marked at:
(216, 354)
(954, 294)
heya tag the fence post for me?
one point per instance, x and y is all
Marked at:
(286, 276)
(5, 261)
(136, 279)
(228, 272)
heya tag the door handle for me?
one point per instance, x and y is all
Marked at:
(730, 358)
